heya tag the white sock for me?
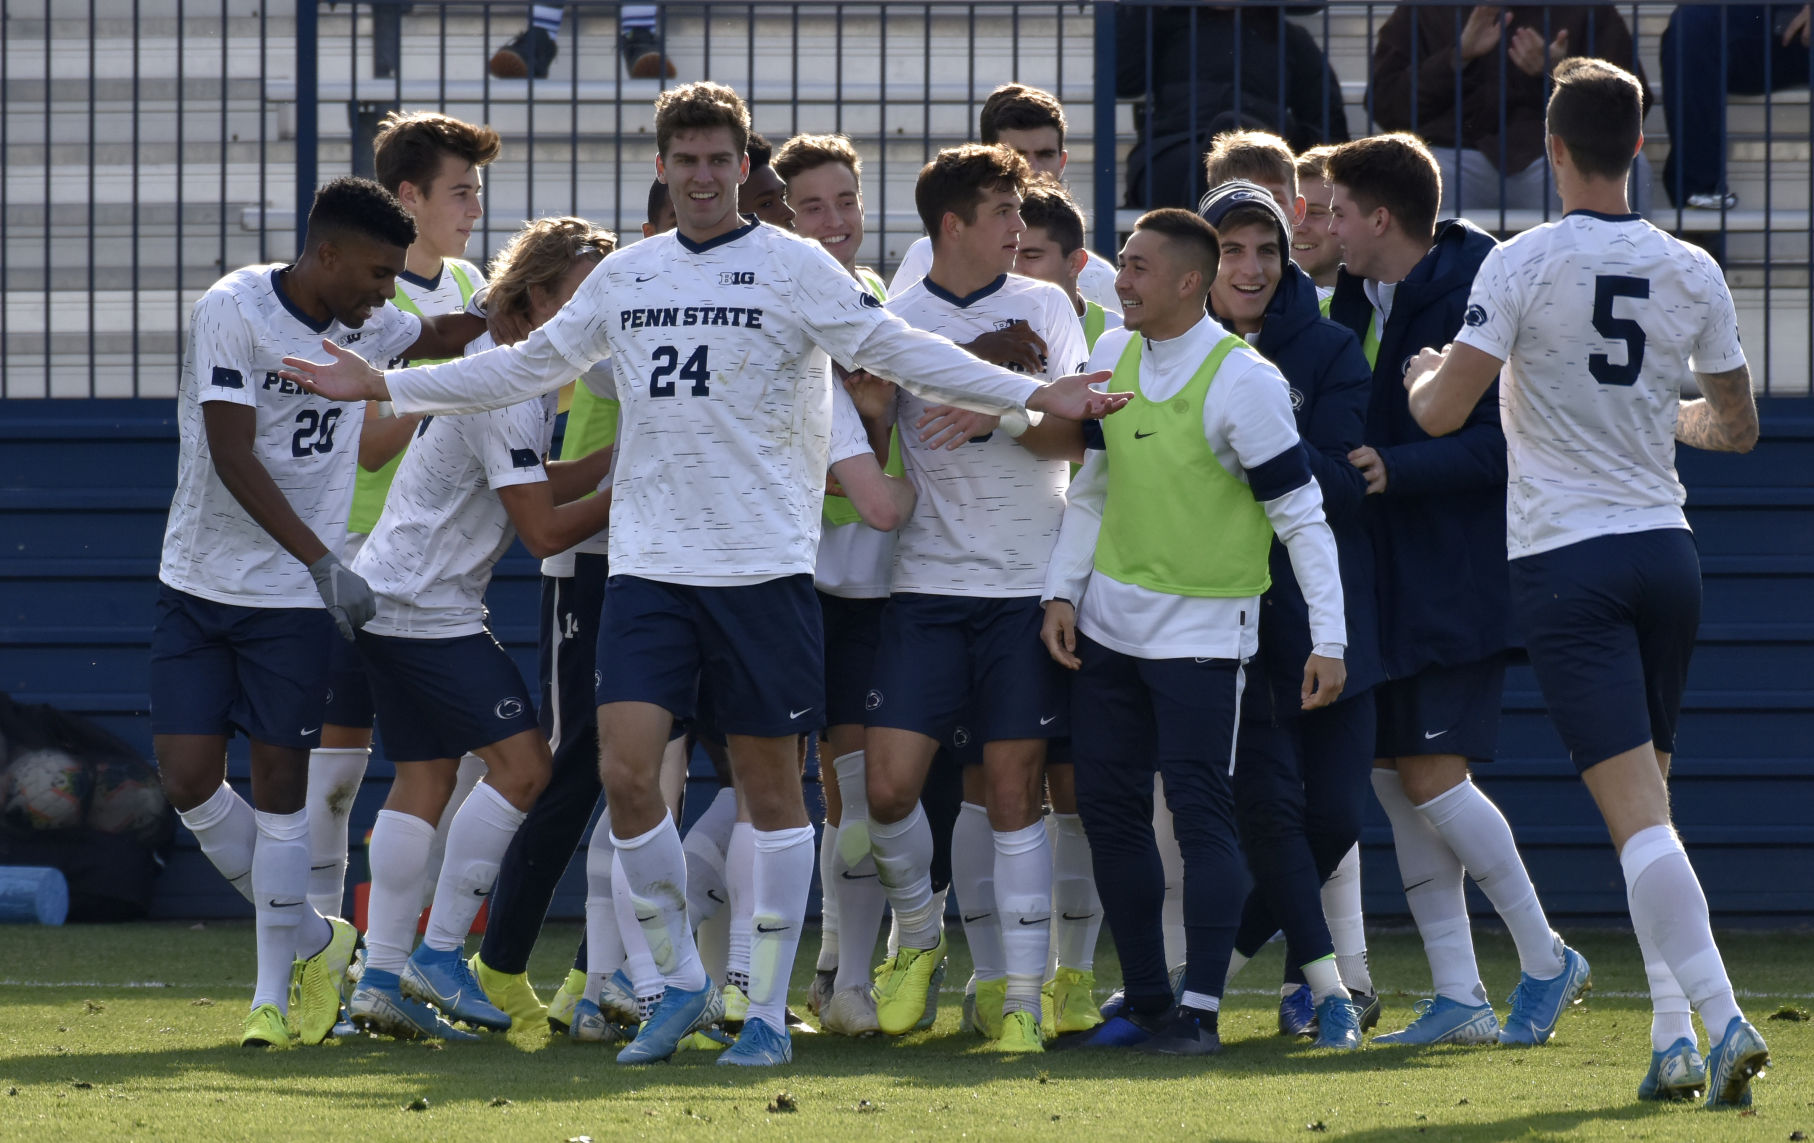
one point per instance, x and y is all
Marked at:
(280, 888)
(1172, 858)
(1432, 874)
(399, 859)
(604, 940)
(973, 864)
(226, 830)
(1667, 905)
(1347, 927)
(903, 857)
(1201, 1002)
(783, 879)
(704, 845)
(740, 879)
(1479, 835)
(472, 768)
(334, 777)
(1671, 1016)
(639, 963)
(861, 899)
(655, 870)
(1076, 907)
(481, 832)
(1023, 891)
(633, 15)
(828, 900)
(1324, 979)
(547, 17)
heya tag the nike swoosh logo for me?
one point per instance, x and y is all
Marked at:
(1419, 884)
(1438, 734)
(329, 865)
(762, 928)
(1048, 721)
(642, 920)
(715, 895)
(648, 278)
(1140, 436)
(793, 714)
(306, 733)
(969, 920)
(276, 904)
(1077, 916)
(481, 892)
(849, 876)
(1036, 920)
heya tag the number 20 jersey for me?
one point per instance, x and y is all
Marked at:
(239, 333)
(1600, 319)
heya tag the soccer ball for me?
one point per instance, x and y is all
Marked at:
(127, 799)
(47, 790)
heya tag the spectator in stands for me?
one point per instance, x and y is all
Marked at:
(1766, 49)
(534, 48)
(1415, 87)
(1203, 70)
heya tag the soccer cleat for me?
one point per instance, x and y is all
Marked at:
(759, 1045)
(589, 1026)
(736, 1006)
(850, 1012)
(904, 996)
(617, 999)
(1185, 1032)
(1677, 1072)
(1739, 1057)
(318, 981)
(266, 1027)
(713, 1039)
(1444, 1021)
(643, 55)
(679, 1013)
(440, 977)
(1068, 1002)
(378, 1005)
(354, 970)
(823, 986)
(530, 50)
(1020, 1033)
(510, 991)
(1297, 1013)
(560, 1005)
(1114, 1005)
(1367, 1004)
(1337, 1024)
(1538, 1004)
(983, 1007)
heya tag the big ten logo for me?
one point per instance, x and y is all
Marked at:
(737, 278)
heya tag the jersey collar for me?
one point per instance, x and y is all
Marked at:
(1603, 217)
(284, 300)
(421, 283)
(967, 300)
(750, 222)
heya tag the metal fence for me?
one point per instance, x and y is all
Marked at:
(151, 145)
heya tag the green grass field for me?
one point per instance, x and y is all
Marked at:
(130, 1032)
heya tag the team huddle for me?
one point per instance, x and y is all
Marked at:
(1102, 588)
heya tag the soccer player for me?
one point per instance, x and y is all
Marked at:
(1313, 248)
(1030, 122)
(434, 164)
(467, 488)
(1051, 250)
(1153, 596)
(1433, 506)
(1597, 319)
(960, 629)
(1300, 781)
(251, 582)
(715, 335)
(1259, 157)
(764, 193)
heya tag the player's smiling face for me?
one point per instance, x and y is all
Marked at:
(447, 208)
(1150, 284)
(1039, 146)
(1313, 248)
(990, 243)
(362, 276)
(764, 195)
(1247, 275)
(828, 206)
(1355, 230)
(703, 168)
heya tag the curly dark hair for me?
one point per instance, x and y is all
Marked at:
(352, 205)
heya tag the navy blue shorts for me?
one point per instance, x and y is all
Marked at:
(945, 658)
(758, 649)
(1610, 624)
(853, 630)
(440, 698)
(218, 667)
(349, 690)
(1442, 710)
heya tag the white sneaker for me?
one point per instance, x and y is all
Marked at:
(1712, 200)
(850, 1012)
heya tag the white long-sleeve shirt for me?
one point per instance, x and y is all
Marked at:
(1247, 421)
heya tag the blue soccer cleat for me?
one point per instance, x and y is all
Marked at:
(589, 1025)
(378, 1005)
(1337, 1024)
(1297, 1013)
(1677, 1072)
(759, 1045)
(1121, 1030)
(1184, 1032)
(1444, 1021)
(1113, 1006)
(679, 1013)
(443, 978)
(1739, 1057)
(1538, 1004)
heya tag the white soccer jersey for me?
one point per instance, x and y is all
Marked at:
(988, 511)
(239, 333)
(1096, 283)
(1599, 318)
(726, 393)
(600, 383)
(854, 559)
(444, 526)
(440, 294)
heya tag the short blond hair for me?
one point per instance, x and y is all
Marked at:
(1257, 156)
(540, 254)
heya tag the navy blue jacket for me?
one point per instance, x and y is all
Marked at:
(1330, 382)
(1438, 529)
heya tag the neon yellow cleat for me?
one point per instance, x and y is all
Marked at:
(267, 1027)
(982, 1008)
(510, 991)
(318, 981)
(901, 996)
(1020, 1033)
(560, 1006)
(736, 1005)
(1068, 1003)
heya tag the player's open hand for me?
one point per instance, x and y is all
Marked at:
(947, 427)
(345, 376)
(1073, 398)
(1059, 633)
(1013, 346)
(1324, 679)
